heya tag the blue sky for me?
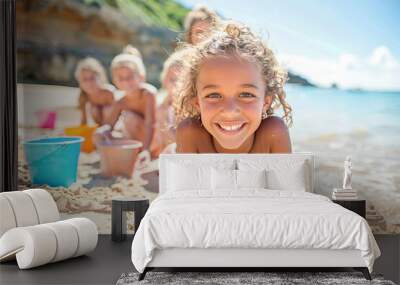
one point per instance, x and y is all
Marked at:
(349, 42)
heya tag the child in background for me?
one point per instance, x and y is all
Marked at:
(198, 23)
(96, 96)
(137, 108)
(227, 95)
(165, 119)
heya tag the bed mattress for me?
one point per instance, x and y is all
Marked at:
(250, 219)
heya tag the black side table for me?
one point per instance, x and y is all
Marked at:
(119, 206)
(357, 206)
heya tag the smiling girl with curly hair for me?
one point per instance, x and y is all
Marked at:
(227, 95)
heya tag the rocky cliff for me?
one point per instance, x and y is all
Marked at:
(52, 35)
(299, 80)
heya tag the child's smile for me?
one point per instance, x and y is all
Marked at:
(231, 127)
(231, 98)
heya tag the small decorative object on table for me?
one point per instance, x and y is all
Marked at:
(347, 192)
(120, 205)
(357, 206)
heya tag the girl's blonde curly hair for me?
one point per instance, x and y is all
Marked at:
(231, 38)
(199, 13)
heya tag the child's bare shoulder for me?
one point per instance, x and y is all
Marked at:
(273, 125)
(189, 134)
(148, 94)
(123, 103)
(151, 88)
(190, 126)
(274, 134)
(148, 89)
(107, 94)
(190, 129)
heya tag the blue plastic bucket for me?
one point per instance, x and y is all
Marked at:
(53, 161)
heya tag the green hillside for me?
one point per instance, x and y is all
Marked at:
(163, 13)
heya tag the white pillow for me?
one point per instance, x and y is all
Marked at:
(193, 174)
(188, 177)
(223, 179)
(251, 178)
(283, 174)
(292, 179)
(229, 179)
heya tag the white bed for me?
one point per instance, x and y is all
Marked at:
(201, 219)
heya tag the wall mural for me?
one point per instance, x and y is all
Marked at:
(107, 71)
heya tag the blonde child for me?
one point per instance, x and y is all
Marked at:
(198, 23)
(96, 95)
(227, 96)
(137, 108)
(165, 118)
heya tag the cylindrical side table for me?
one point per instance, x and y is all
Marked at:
(119, 206)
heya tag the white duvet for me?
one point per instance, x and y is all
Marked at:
(251, 218)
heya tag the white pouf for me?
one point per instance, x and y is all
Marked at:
(45, 206)
(7, 216)
(31, 232)
(22, 207)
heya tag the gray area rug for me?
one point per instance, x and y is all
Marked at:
(273, 278)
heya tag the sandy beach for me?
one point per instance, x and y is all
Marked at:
(375, 167)
(90, 196)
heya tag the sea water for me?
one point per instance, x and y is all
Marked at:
(322, 112)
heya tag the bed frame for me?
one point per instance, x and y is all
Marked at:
(248, 259)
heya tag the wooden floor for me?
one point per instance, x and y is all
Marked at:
(103, 266)
(111, 259)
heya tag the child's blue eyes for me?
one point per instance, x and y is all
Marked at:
(246, 95)
(241, 95)
(213, 95)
